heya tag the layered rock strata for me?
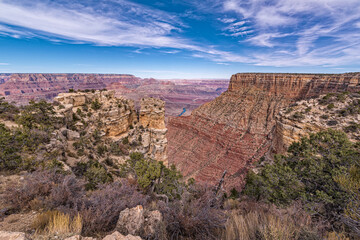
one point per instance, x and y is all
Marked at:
(237, 128)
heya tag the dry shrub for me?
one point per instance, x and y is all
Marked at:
(268, 223)
(54, 191)
(46, 189)
(196, 218)
(57, 223)
(101, 210)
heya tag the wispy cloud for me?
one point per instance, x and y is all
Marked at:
(122, 23)
(111, 23)
(300, 32)
(4, 64)
(263, 32)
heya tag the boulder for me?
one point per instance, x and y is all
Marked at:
(78, 237)
(118, 236)
(12, 235)
(137, 221)
(131, 220)
(72, 135)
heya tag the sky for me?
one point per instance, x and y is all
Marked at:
(179, 39)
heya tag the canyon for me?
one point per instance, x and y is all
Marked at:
(178, 94)
(236, 129)
(226, 125)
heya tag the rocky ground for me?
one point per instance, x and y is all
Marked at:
(340, 111)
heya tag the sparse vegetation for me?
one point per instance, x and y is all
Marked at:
(96, 105)
(308, 174)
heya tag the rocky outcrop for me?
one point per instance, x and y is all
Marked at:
(237, 128)
(152, 116)
(138, 221)
(115, 114)
(109, 127)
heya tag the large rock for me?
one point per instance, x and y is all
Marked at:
(72, 135)
(118, 236)
(137, 221)
(12, 236)
(78, 237)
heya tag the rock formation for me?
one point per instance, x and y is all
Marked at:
(115, 114)
(237, 128)
(152, 115)
(99, 115)
(12, 236)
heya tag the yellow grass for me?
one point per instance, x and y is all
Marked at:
(259, 225)
(57, 223)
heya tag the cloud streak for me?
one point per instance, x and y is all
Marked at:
(300, 32)
(263, 33)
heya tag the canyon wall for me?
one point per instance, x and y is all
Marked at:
(178, 94)
(237, 128)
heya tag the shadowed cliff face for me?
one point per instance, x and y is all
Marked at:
(236, 129)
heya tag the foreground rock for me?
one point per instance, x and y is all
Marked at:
(238, 128)
(12, 236)
(118, 236)
(137, 221)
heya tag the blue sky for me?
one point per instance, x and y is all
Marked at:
(179, 39)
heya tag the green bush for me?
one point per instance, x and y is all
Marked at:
(101, 149)
(298, 116)
(331, 106)
(96, 105)
(125, 141)
(93, 172)
(153, 176)
(38, 115)
(307, 174)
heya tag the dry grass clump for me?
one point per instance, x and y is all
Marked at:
(336, 236)
(57, 223)
(267, 224)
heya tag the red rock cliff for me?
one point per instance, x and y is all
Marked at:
(236, 129)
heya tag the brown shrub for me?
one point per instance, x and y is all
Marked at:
(196, 218)
(101, 210)
(46, 189)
